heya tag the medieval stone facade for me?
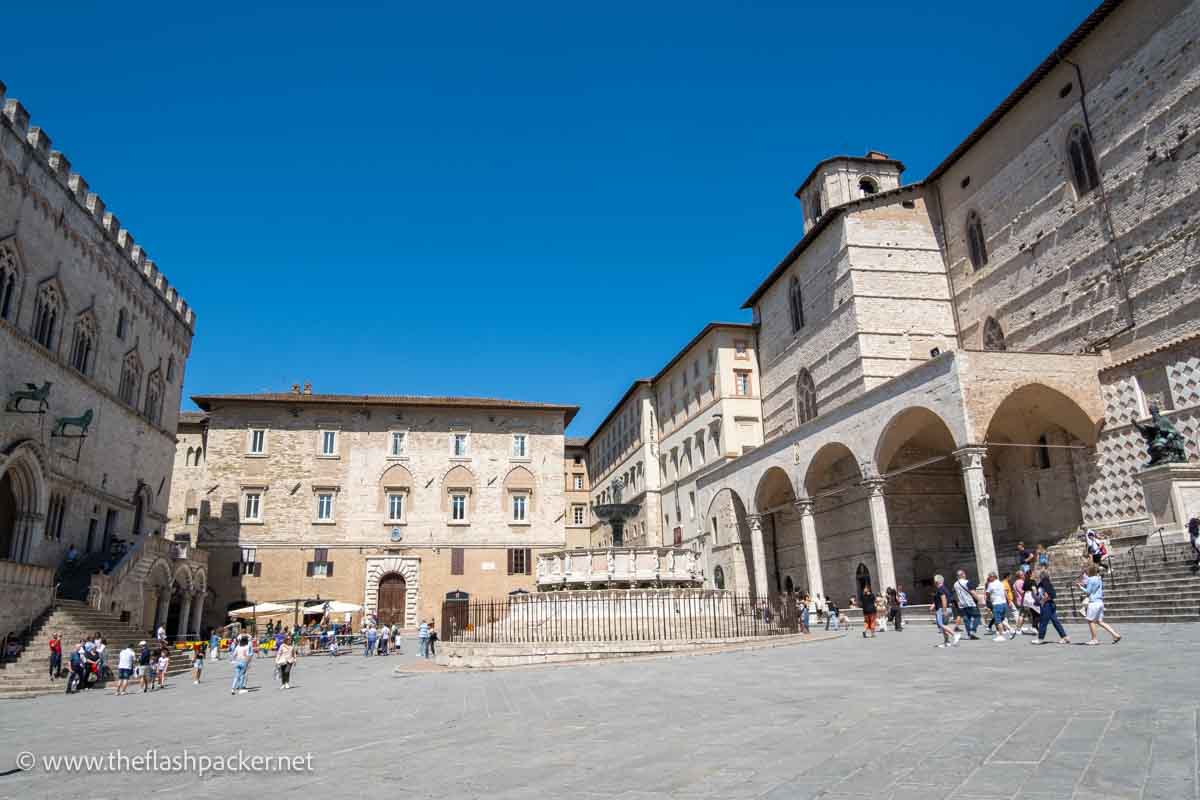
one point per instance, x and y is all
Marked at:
(390, 503)
(97, 341)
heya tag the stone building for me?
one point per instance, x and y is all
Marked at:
(97, 340)
(578, 518)
(701, 409)
(388, 502)
(953, 365)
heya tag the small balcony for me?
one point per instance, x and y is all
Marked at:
(618, 567)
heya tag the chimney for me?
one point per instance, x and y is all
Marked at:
(875, 155)
(295, 388)
(308, 388)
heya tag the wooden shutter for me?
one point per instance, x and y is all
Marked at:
(528, 561)
(510, 562)
(328, 569)
(308, 569)
(258, 569)
(456, 561)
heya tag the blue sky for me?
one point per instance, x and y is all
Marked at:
(534, 201)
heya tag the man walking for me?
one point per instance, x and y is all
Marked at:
(942, 613)
(124, 668)
(423, 638)
(967, 607)
(1049, 615)
(998, 599)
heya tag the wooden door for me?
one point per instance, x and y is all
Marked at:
(392, 594)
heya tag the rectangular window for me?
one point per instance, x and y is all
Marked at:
(396, 507)
(320, 566)
(577, 483)
(518, 561)
(519, 507)
(458, 507)
(578, 461)
(247, 563)
(325, 506)
(691, 505)
(456, 560)
(577, 514)
(329, 443)
(398, 442)
(252, 507)
(741, 383)
(741, 350)
(459, 445)
(190, 517)
(258, 441)
(520, 445)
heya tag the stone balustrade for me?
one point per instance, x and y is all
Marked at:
(26, 591)
(627, 566)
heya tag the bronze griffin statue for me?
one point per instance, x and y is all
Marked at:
(1165, 443)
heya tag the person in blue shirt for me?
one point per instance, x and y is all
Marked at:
(1093, 586)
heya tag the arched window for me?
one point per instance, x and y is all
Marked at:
(814, 205)
(806, 397)
(718, 577)
(131, 380)
(796, 304)
(993, 335)
(84, 343)
(1081, 161)
(868, 185)
(122, 323)
(8, 283)
(46, 315)
(152, 410)
(170, 369)
(976, 244)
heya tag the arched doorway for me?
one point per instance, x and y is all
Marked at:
(731, 550)
(862, 579)
(841, 518)
(8, 516)
(719, 577)
(788, 585)
(393, 593)
(775, 500)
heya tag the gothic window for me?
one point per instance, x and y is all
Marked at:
(976, 244)
(131, 380)
(152, 410)
(122, 324)
(806, 397)
(171, 369)
(47, 314)
(796, 304)
(1081, 161)
(814, 205)
(868, 186)
(993, 335)
(8, 283)
(83, 345)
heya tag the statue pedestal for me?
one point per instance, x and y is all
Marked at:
(1172, 494)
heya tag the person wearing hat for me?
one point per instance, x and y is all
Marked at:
(143, 666)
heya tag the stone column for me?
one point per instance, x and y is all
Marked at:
(812, 557)
(197, 613)
(164, 608)
(882, 534)
(185, 616)
(978, 506)
(759, 554)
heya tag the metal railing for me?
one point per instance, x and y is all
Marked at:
(618, 616)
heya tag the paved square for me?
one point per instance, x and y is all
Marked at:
(890, 718)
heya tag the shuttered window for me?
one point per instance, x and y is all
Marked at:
(456, 561)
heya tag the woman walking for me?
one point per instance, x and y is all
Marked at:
(285, 659)
(893, 604)
(1049, 614)
(241, 656)
(1094, 612)
(869, 611)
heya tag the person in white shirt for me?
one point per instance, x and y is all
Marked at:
(967, 608)
(998, 600)
(124, 669)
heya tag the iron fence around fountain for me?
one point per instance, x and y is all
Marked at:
(618, 615)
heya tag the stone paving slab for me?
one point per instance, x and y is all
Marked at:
(888, 719)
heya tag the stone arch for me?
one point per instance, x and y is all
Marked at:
(775, 502)
(394, 479)
(925, 500)
(993, 336)
(841, 518)
(519, 480)
(24, 497)
(159, 574)
(407, 568)
(460, 477)
(183, 579)
(1038, 467)
(731, 548)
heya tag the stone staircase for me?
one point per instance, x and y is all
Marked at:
(75, 579)
(1142, 586)
(28, 674)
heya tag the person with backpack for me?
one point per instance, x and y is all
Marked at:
(968, 609)
(1096, 548)
(1049, 615)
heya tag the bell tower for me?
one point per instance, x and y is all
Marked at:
(843, 179)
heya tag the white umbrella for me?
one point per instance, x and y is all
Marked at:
(259, 609)
(332, 607)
